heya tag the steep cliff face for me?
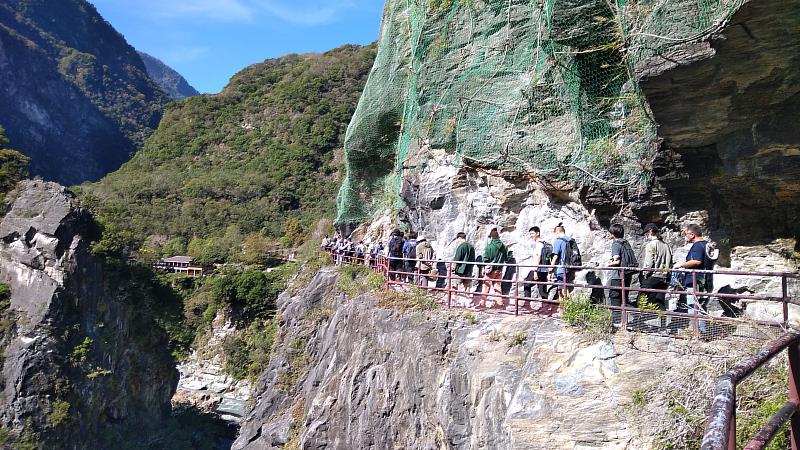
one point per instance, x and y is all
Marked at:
(170, 81)
(74, 96)
(352, 374)
(523, 114)
(83, 363)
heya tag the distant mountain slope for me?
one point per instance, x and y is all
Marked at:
(74, 96)
(170, 81)
(244, 162)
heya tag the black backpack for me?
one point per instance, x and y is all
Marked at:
(572, 254)
(396, 247)
(546, 257)
(628, 258)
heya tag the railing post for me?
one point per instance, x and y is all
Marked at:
(696, 305)
(794, 393)
(516, 291)
(386, 267)
(785, 300)
(449, 284)
(732, 423)
(624, 312)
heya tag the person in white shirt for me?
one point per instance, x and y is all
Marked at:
(537, 273)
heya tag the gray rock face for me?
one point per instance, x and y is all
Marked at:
(727, 109)
(76, 343)
(203, 379)
(378, 379)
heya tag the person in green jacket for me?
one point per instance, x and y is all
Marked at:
(494, 255)
(462, 269)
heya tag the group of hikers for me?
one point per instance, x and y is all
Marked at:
(552, 266)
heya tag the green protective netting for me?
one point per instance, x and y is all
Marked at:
(544, 88)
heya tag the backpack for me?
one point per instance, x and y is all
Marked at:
(396, 247)
(547, 255)
(412, 251)
(628, 258)
(572, 254)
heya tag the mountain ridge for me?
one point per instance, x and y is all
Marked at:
(74, 95)
(169, 79)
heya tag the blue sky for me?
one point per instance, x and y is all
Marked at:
(208, 41)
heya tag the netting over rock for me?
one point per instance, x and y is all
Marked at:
(545, 88)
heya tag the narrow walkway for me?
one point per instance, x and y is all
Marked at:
(718, 315)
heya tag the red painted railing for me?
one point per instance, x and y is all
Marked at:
(721, 430)
(444, 285)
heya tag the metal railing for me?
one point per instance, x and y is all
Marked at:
(721, 429)
(402, 272)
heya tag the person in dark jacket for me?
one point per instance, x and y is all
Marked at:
(495, 255)
(395, 253)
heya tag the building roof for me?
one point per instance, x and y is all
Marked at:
(178, 259)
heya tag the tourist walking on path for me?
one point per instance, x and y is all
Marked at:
(395, 253)
(701, 256)
(462, 268)
(622, 255)
(542, 253)
(424, 262)
(656, 265)
(494, 256)
(565, 254)
(410, 255)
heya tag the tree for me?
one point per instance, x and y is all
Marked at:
(13, 165)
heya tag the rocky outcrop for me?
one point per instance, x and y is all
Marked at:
(373, 378)
(203, 380)
(170, 81)
(74, 96)
(727, 109)
(83, 361)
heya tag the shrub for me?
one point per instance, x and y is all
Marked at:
(247, 355)
(517, 339)
(59, 413)
(579, 312)
(81, 351)
(357, 280)
(471, 318)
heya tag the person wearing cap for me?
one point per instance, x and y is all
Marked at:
(494, 255)
(656, 265)
(424, 260)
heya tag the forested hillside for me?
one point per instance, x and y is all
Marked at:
(256, 164)
(74, 96)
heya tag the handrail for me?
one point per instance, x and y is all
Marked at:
(392, 269)
(721, 430)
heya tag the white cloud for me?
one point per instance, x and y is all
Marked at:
(305, 12)
(215, 10)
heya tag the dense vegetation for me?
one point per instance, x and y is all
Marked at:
(13, 166)
(228, 177)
